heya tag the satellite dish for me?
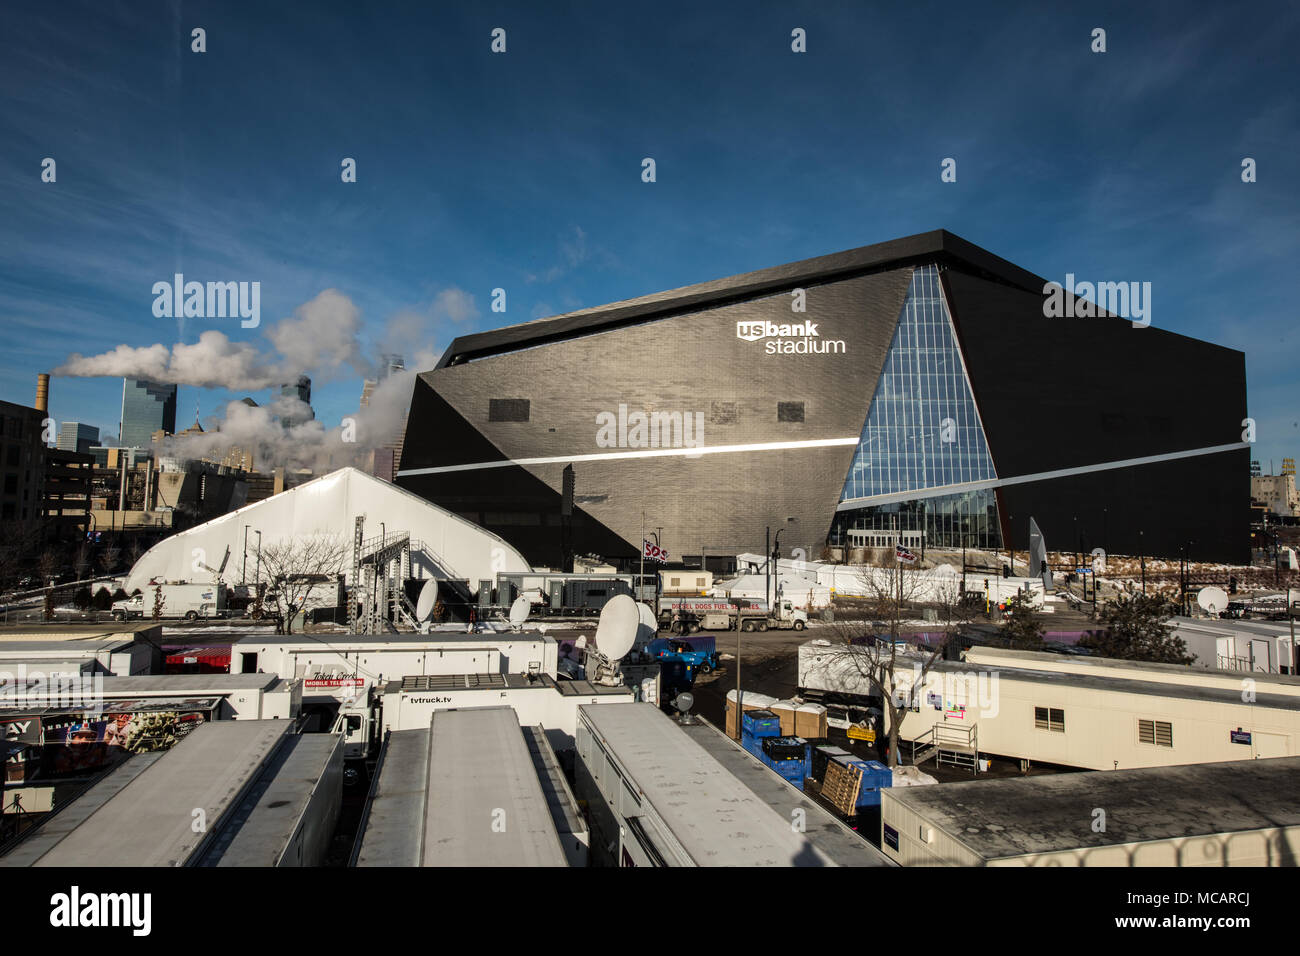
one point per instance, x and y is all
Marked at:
(684, 701)
(426, 601)
(519, 612)
(617, 630)
(1213, 600)
(649, 626)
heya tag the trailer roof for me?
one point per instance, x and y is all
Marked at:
(493, 783)
(88, 647)
(716, 818)
(343, 643)
(1043, 814)
(183, 685)
(1100, 682)
(559, 797)
(828, 834)
(1234, 626)
(268, 815)
(122, 631)
(1123, 685)
(393, 833)
(1084, 663)
(469, 789)
(147, 820)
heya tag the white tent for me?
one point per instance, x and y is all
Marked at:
(941, 583)
(443, 545)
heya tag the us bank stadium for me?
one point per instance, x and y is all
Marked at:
(915, 384)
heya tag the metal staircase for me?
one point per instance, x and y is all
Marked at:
(954, 744)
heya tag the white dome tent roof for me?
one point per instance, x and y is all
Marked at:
(443, 545)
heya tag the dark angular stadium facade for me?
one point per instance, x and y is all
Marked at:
(920, 388)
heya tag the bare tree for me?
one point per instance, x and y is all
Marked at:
(49, 565)
(890, 590)
(857, 658)
(81, 559)
(955, 612)
(109, 558)
(296, 567)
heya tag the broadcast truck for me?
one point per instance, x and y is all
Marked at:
(189, 601)
(689, 615)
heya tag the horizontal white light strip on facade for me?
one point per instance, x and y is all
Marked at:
(647, 453)
(851, 504)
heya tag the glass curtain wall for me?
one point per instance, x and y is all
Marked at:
(922, 432)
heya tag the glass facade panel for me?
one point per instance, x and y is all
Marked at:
(923, 431)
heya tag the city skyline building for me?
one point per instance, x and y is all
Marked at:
(147, 407)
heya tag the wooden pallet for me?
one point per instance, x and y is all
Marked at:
(841, 787)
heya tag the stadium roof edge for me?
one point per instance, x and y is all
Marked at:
(937, 245)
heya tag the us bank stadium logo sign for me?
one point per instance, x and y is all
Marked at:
(798, 338)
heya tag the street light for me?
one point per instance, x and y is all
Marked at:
(243, 567)
(1142, 557)
(258, 581)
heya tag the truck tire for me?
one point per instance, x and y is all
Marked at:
(762, 625)
(747, 626)
(706, 668)
(695, 628)
(191, 615)
(119, 615)
(798, 625)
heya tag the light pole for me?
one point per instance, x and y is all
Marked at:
(258, 581)
(776, 562)
(1142, 557)
(243, 567)
(767, 565)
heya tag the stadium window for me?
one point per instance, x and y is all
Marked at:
(508, 409)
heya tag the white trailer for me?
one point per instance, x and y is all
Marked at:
(380, 658)
(541, 701)
(265, 795)
(1094, 721)
(186, 600)
(463, 791)
(660, 794)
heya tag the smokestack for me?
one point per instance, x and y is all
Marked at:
(43, 392)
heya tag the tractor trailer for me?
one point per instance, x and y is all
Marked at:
(688, 615)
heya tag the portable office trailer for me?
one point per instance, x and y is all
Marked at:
(1100, 723)
(145, 812)
(463, 792)
(539, 701)
(1234, 645)
(121, 650)
(658, 797)
(388, 657)
(1077, 720)
(1238, 813)
(108, 656)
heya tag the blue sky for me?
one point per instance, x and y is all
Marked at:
(522, 170)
